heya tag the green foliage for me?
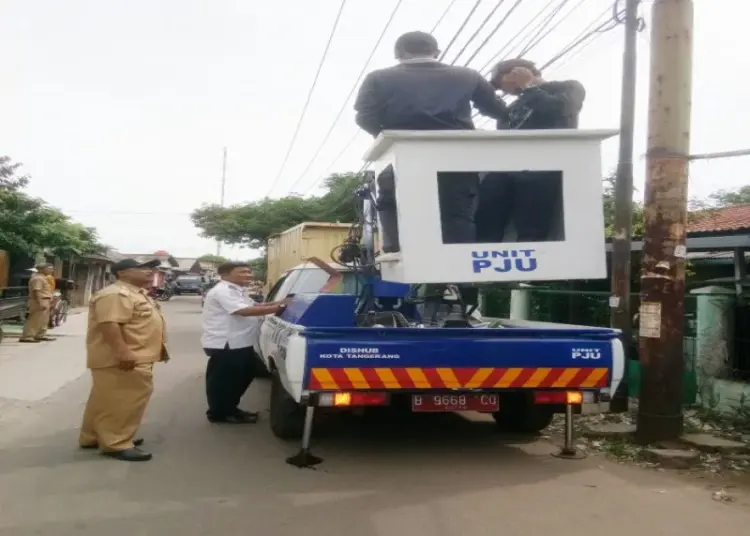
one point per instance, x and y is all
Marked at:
(29, 225)
(251, 224)
(609, 210)
(725, 198)
(8, 178)
(216, 259)
(259, 266)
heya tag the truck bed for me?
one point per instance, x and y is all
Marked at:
(330, 354)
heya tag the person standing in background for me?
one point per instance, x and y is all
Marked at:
(126, 336)
(40, 303)
(229, 326)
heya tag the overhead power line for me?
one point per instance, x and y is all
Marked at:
(542, 34)
(493, 32)
(357, 134)
(309, 97)
(340, 113)
(460, 29)
(445, 13)
(498, 5)
(509, 43)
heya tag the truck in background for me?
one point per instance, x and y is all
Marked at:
(309, 239)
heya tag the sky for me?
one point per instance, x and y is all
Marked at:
(120, 110)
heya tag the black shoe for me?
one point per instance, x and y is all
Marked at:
(29, 340)
(136, 442)
(41, 339)
(129, 455)
(238, 418)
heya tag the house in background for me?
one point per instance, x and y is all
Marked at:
(204, 268)
(84, 274)
(169, 265)
(185, 265)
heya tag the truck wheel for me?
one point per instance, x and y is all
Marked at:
(519, 415)
(287, 416)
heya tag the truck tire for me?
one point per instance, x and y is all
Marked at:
(519, 415)
(287, 416)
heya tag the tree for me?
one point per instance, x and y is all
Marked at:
(8, 178)
(251, 224)
(216, 259)
(609, 210)
(29, 225)
(259, 266)
(724, 198)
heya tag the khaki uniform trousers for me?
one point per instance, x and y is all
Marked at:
(116, 406)
(37, 321)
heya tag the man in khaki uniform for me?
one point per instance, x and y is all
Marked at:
(40, 301)
(126, 336)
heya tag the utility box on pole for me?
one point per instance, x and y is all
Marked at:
(662, 308)
(429, 236)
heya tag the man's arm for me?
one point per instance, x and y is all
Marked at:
(561, 98)
(367, 106)
(235, 305)
(36, 286)
(271, 308)
(111, 311)
(487, 102)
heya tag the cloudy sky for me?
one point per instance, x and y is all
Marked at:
(120, 109)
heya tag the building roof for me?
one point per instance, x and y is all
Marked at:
(732, 218)
(185, 263)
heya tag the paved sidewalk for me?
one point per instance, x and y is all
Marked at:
(32, 372)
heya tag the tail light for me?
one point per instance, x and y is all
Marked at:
(346, 399)
(558, 397)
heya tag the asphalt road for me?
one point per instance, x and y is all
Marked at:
(443, 475)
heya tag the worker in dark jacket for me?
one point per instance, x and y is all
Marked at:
(421, 93)
(532, 200)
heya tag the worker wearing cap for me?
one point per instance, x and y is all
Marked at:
(126, 336)
(40, 302)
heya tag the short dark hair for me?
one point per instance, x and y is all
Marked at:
(416, 44)
(504, 67)
(226, 268)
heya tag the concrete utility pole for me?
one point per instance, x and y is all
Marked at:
(620, 314)
(223, 188)
(662, 316)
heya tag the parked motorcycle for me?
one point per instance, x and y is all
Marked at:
(161, 293)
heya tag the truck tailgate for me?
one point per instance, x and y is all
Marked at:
(416, 358)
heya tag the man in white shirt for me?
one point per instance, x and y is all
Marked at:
(229, 326)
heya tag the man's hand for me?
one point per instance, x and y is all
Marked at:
(280, 306)
(126, 361)
(521, 77)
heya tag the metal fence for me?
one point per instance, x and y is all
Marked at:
(591, 308)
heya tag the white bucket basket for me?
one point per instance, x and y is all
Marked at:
(529, 166)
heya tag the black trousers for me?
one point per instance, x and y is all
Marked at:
(457, 198)
(530, 199)
(229, 373)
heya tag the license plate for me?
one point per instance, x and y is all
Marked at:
(464, 402)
